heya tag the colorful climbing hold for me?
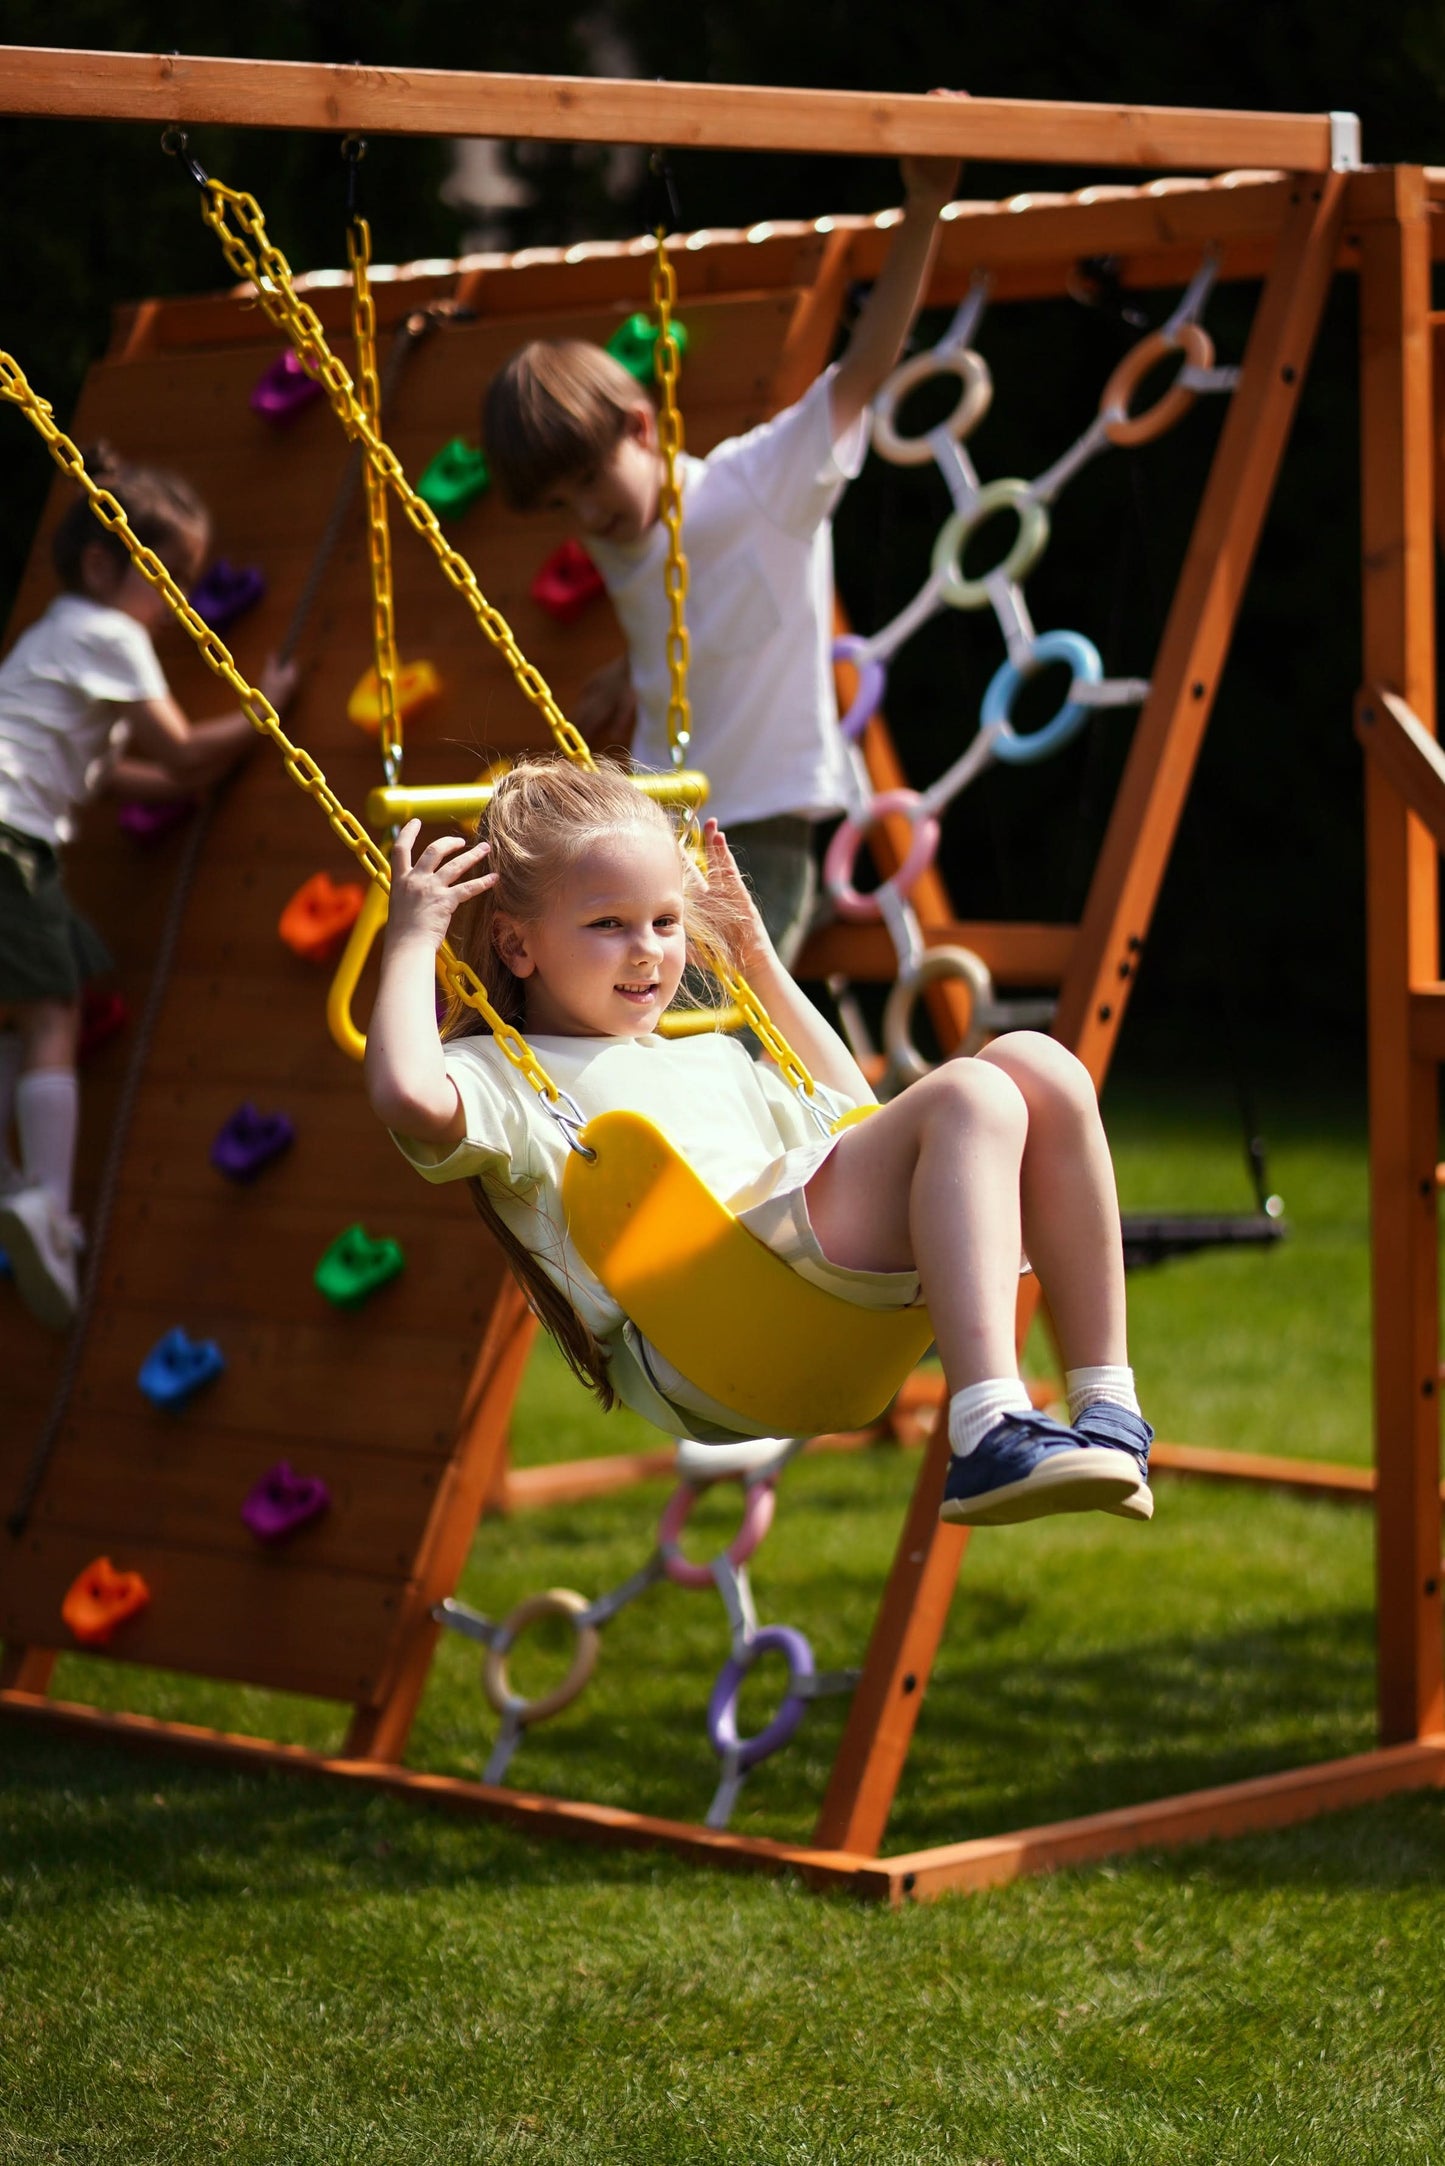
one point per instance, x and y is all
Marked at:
(355, 1265)
(283, 1502)
(99, 1600)
(455, 478)
(225, 591)
(320, 915)
(103, 1013)
(634, 342)
(567, 583)
(250, 1140)
(178, 1365)
(417, 687)
(146, 823)
(282, 392)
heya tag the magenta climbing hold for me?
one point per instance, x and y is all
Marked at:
(250, 1140)
(146, 822)
(567, 583)
(283, 1502)
(226, 591)
(284, 390)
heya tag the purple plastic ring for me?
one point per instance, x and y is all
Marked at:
(872, 683)
(722, 1708)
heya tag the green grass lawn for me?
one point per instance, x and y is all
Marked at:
(196, 1965)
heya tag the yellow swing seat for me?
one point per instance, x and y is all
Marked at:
(788, 1357)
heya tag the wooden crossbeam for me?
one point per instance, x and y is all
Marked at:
(177, 87)
(1408, 756)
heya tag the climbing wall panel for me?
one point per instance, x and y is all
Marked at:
(370, 1400)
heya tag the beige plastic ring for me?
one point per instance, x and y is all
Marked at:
(953, 538)
(1197, 347)
(974, 399)
(960, 964)
(556, 1602)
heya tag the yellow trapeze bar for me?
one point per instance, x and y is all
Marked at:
(466, 801)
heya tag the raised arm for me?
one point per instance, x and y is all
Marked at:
(878, 335)
(406, 1076)
(193, 754)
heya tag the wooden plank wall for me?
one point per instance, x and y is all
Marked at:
(369, 1400)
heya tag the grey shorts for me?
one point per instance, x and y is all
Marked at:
(776, 859)
(47, 949)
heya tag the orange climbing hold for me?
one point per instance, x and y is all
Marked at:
(100, 1599)
(320, 915)
(417, 687)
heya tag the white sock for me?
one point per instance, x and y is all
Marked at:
(47, 1114)
(976, 1409)
(1086, 1387)
(9, 1070)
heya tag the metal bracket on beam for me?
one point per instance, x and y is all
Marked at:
(1345, 153)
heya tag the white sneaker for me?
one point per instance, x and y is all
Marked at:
(42, 1243)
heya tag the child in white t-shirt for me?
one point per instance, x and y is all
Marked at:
(581, 928)
(567, 428)
(83, 704)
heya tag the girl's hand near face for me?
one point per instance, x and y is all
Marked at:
(426, 893)
(723, 874)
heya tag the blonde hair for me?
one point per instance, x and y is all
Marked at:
(544, 816)
(558, 407)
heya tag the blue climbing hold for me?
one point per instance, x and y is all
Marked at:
(178, 1365)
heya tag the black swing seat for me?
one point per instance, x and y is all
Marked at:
(1154, 1237)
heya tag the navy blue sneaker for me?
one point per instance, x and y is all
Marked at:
(1029, 1465)
(1123, 1431)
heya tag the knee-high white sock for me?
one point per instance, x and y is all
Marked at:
(1086, 1387)
(47, 1114)
(976, 1409)
(9, 1071)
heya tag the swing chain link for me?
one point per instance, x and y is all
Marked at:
(378, 535)
(665, 362)
(259, 263)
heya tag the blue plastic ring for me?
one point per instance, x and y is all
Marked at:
(1082, 657)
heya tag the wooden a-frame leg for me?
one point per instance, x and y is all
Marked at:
(26, 1669)
(1402, 903)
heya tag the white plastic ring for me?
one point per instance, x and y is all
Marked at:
(1028, 546)
(962, 966)
(556, 1602)
(974, 398)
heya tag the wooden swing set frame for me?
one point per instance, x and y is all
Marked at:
(1305, 212)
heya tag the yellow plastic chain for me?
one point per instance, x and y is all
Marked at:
(458, 976)
(665, 359)
(378, 534)
(254, 258)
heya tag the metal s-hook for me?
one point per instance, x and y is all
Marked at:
(177, 144)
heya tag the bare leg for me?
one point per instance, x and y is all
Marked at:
(1070, 1204)
(931, 1182)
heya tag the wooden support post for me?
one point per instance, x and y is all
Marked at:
(1407, 755)
(1402, 869)
(1201, 624)
(815, 321)
(26, 1669)
(379, 1731)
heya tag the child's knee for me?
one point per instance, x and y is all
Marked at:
(975, 1094)
(1046, 1072)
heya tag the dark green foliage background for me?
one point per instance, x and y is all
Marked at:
(1265, 890)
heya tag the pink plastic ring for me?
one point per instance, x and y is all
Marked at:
(759, 1504)
(872, 682)
(842, 853)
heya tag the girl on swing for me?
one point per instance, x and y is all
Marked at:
(580, 911)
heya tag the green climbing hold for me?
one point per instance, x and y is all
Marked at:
(633, 344)
(455, 478)
(355, 1266)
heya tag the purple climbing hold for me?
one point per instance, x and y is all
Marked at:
(284, 390)
(250, 1140)
(284, 1501)
(226, 592)
(147, 822)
